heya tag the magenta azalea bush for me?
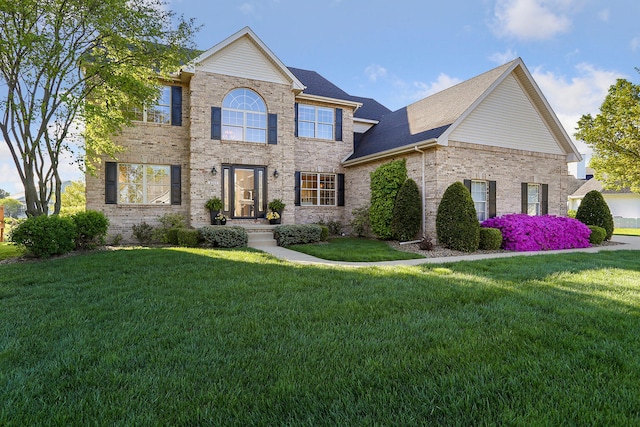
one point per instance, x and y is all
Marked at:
(521, 232)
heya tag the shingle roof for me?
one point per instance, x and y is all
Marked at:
(427, 118)
(594, 184)
(319, 86)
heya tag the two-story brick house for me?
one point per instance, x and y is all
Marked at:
(238, 124)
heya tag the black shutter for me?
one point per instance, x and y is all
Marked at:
(524, 201)
(176, 184)
(295, 121)
(340, 189)
(273, 129)
(492, 199)
(544, 199)
(296, 189)
(110, 183)
(338, 124)
(467, 183)
(216, 123)
(176, 105)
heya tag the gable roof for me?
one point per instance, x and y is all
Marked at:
(247, 34)
(594, 184)
(431, 120)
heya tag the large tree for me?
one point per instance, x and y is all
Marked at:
(55, 56)
(614, 136)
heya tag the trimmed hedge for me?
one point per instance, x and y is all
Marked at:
(521, 232)
(44, 236)
(598, 234)
(91, 229)
(593, 210)
(457, 223)
(407, 212)
(490, 238)
(297, 234)
(188, 237)
(225, 237)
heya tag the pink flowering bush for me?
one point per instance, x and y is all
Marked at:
(521, 232)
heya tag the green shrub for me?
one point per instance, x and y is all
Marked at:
(188, 237)
(407, 212)
(325, 233)
(593, 210)
(297, 234)
(171, 235)
(360, 224)
(167, 222)
(143, 233)
(457, 223)
(598, 234)
(571, 213)
(44, 236)
(386, 181)
(91, 229)
(490, 239)
(225, 237)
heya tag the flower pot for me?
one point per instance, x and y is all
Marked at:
(274, 221)
(223, 222)
(212, 216)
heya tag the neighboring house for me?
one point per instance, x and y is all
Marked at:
(624, 204)
(238, 124)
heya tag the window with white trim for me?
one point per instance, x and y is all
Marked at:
(317, 189)
(159, 112)
(479, 194)
(315, 122)
(144, 184)
(533, 199)
(244, 116)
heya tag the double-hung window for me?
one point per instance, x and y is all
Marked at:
(533, 199)
(244, 117)
(144, 184)
(315, 122)
(479, 192)
(159, 112)
(317, 189)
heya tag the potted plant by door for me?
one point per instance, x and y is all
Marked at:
(220, 219)
(273, 217)
(214, 205)
(276, 206)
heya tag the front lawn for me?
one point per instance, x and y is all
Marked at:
(351, 249)
(9, 250)
(168, 336)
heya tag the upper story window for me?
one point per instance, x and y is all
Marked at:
(315, 122)
(479, 192)
(244, 116)
(166, 110)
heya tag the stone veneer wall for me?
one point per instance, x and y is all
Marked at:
(150, 143)
(459, 161)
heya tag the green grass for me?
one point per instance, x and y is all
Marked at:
(627, 231)
(8, 250)
(354, 250)
(221, 337)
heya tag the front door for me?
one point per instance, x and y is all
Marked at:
(244, 191)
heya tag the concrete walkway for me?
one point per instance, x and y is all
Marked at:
(625, 243)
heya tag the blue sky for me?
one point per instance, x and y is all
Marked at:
(401, 51)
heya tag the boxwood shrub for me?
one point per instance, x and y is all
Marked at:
(598, 234)
(593, 210)
(407, 212)
(44, 236)
(91, 229)
(490, 239)
(188, 237)
(457, 223)
(224, 237)
(297, 234)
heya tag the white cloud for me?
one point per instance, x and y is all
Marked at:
(443, 82)
(9, 178)
(531, 19)
(503, 57)
(374, 72)
(579, 95)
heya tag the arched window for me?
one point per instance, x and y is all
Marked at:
(244, 116)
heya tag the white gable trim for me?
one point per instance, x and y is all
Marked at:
(296, 85)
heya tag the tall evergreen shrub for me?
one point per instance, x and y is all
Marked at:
(407, 212)
(457, 225)
(594, 211)
(386, 181)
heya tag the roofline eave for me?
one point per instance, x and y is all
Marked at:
(409, 148)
